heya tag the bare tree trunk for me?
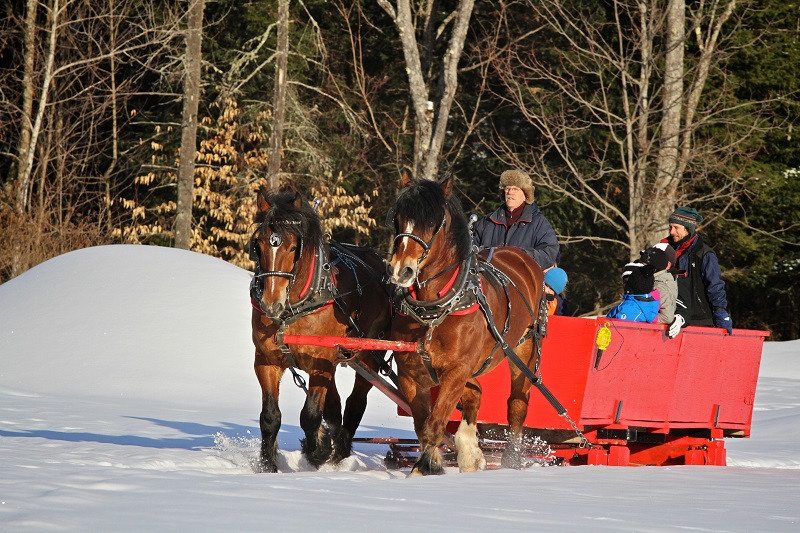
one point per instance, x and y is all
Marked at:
(112, 30)
(449, 81)
(708, 46)
(665, 186)
(641, 119)
(24, 186)
(429, 110)
(279, 98)
(194, 36)
(29, 51)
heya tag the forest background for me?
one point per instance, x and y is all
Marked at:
(125, 121)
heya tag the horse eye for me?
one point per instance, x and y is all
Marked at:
(293, 248)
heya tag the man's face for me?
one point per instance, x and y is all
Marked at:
(678, 232)
(514, 197)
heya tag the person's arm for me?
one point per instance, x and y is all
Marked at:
(712, 280)
(545, 243)
(715, 291)
(477, 232)
(666, 309)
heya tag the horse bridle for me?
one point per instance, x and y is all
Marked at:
(257, 283)
(426, 245)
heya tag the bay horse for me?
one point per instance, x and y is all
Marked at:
(309, 285)
(472, 310)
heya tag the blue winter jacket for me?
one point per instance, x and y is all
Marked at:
(532, 232)
(636, 308)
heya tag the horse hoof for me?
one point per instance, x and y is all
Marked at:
(415, 472)
(478, 465)
(513, 461)
(426, 469)
(266, 467)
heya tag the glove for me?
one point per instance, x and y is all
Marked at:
(722, 320)
(675, 327)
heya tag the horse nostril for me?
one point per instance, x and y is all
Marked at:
(406, 274)
(274, 310)
(389, 269)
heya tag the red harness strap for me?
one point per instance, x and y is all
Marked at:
(305, 288)
(467, 310)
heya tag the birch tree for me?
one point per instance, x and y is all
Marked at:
(432, 91)
(64, 108)
(191, 100)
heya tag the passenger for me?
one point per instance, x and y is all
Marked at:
(640, 302)
(555, 281)
(701, 292)
(518, 222)
(662, 257)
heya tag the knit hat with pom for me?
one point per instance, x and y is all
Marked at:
(656, 257)
(640, 280)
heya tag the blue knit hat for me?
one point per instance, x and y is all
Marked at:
(556, 279)
(686, 216)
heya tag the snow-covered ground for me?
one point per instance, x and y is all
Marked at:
(128, 403)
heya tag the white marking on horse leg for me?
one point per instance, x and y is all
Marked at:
(470, 456)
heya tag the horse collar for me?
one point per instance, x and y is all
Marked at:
(459, 298)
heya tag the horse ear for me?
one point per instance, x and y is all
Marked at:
(261, 202)
(447, 185)
(298, 200)
(405, 180)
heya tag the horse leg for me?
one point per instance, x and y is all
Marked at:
(517, 412)
(340, 444)
(269, 377)
(430, 438)
(354, 410)
(316, 446)
(470, 456)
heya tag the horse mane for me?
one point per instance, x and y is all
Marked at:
(423, 202)
(286, 218)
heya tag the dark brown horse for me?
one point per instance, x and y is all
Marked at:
(305, 284)
(469, 311)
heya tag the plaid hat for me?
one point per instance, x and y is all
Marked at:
(517, 178)
(556, 279)
(686, 216)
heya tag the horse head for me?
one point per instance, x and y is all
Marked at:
(283, 248)
(430, 230)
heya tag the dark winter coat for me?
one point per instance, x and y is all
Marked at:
(532, 232)
(701, 290)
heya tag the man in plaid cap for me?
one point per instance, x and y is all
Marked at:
(701, 292)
